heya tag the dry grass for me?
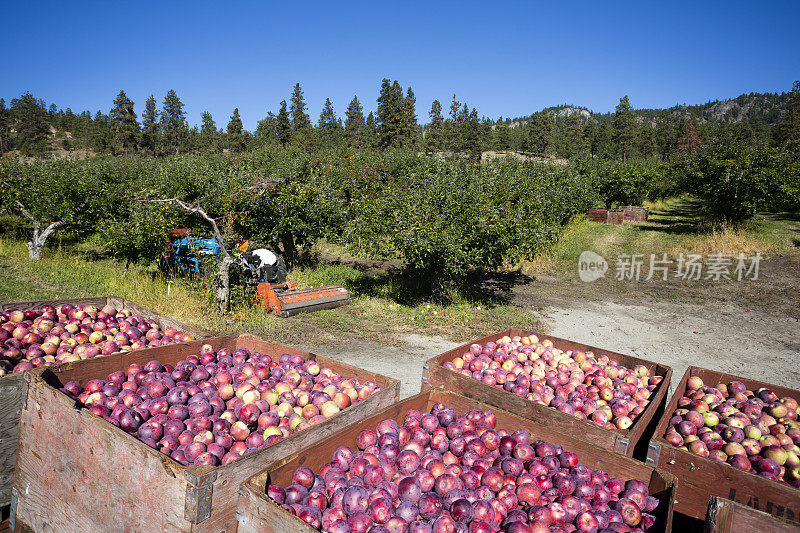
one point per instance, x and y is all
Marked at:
(730, 240)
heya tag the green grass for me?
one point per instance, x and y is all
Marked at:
(673, 227)
(385, 305)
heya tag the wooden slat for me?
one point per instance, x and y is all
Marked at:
(700, 478)
(12, 386)
(726, 516)
(258, 513)
(99, 478)
(630, 442)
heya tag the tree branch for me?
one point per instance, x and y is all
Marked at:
(60, 222)
(200, 211)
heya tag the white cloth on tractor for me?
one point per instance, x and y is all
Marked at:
(267, 258)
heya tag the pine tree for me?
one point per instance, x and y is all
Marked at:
(569, 136)
(787, 131)
(590, 137)
(328, 124)
(370, 131)
(409, 126)
(354, 124)
(540, 133)
(100, 134)
(30, 116)
(300, 119)
(124, 125)
(500, 135)
(174, 128)
(283, 125)
(646, 137)
(234, 130)
(5, 125)
(390, 114)
(624, 126)
(208, 132)
(472, 141)
(150, 130)
(267, 128)
(452, 128)
(434, 137)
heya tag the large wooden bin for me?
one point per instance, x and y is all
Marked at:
(12, 386)
(258, 513)
(77, 472)
(629, 442)
(699, 478)
(725, 516)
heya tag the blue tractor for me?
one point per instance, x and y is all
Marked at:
(183, 254)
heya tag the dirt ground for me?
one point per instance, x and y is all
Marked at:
(748, 328)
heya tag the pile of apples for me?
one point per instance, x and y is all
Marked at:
(51, 336)
(581, 384)
(214, 407)
(442, 472)
(750, 430)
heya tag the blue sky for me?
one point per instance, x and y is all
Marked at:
(504, 58)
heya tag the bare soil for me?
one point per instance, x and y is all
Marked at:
(748, 328)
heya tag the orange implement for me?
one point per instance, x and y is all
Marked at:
(285, 300)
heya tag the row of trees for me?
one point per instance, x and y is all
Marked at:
(566, 132)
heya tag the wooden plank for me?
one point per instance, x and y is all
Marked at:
(12, 394)
(630, 442)
(700, 477)
(726, 516)
(97, 477)
(258, 513)
(12, 388)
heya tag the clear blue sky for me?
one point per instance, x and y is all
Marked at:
(504, 58)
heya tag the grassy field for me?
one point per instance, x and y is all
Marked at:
(673, 227)
(384, 305)
(387, 303)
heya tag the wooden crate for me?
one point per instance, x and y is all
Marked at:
(700, 477)
(631, 442)
(12, 386)
(258, 513)
(726, 516)
(77, 472)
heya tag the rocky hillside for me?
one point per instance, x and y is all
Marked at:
(766, 107)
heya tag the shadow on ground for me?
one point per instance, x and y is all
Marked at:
(410, 287)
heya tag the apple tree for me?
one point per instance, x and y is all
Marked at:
(51, 195)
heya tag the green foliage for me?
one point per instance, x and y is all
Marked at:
(174, 129)
(329, 126)
(787, 131)
(540, 132)
(734, 181)
(235, 129)
(624, 127)
(354, 124)
(31, 124)
(300, 119)
(124, 123)
(628, 183)
(150, 129)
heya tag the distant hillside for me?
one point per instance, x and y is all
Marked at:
(756, 107)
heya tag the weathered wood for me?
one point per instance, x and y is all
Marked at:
(258, 513)
(631, 442)
(12, 394)
(12, 386)
(726, 516)
(699, 478)
(76, 472)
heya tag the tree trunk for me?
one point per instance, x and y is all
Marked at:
(289, 249)
(224, 289)
(36, 245)
(125, 271)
